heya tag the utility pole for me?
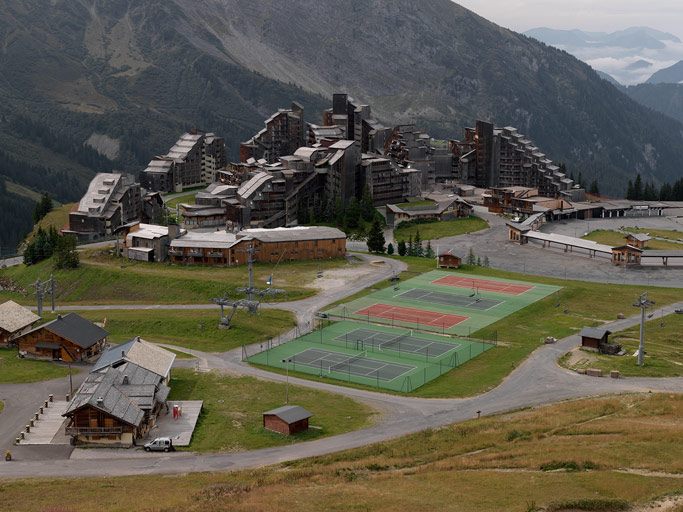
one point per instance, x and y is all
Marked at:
(52, 292)
(287, 361)
(643, 303)
(39, 296)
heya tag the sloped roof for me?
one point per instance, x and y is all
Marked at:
(76, 329)
(141, 353)
(297, 233)
(641, 237)
(14, 317)
(124, 392)
(594, 332)
(290, 413)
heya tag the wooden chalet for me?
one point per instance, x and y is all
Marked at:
(14, 321)
(593, 338)
(68, 338)
(449, 260)
(638, 240)
(626, 255)
(116, 406)
(288, 420)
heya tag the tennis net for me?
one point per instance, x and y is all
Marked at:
(348, 362)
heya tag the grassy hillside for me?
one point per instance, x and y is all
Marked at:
(600, 454)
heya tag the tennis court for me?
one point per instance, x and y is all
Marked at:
(406, 343)
(473, 300)
(411, 315)
(360, 364)
(488, 285)
(443, 302)
(376, 356)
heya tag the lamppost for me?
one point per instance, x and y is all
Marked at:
(71, 383)
(286, 362)
(643, 303)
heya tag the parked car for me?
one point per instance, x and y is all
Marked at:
(160, 444)
(679, 311)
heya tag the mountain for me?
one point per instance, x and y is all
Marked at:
(665, 98)
(92, 85)
(633, 37)
(630, 56)
(609, 78)
(670, 75)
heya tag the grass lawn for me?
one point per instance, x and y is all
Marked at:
(185, 198)
(416, 204)
(663, 351)
(587, 304)
(231, 418)
(19, 371)
(195, 329)
(57, 218)
(434, 230)
(615, 238)
(498, 464)
(660, 233)
(104, 279)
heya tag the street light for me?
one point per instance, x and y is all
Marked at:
(286, 362)
(643, 303)
(71, 384)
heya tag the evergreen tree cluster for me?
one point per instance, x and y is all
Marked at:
(15, 223)
(415, 247)
(638, 190)
(350, 217)
(43, 207)
(48, 243)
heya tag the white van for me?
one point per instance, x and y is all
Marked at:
(160, 444)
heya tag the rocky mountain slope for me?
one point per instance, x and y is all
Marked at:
(92, 85)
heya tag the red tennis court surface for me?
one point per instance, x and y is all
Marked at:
(413, 315)
(483, 284)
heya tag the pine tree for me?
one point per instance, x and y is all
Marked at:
(638, 188)
(402, 249)
(376, 238)
(411, 246)
(580, 179)
(471, 260)
(595, 188)
(487, 263)
(66, 255)
(352, 215)
(417, 245)
(478, 261)
(367, 208)
(629, 190)
(429, 252)
(390, 249)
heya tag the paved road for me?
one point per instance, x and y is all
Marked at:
(537, 381)
(534, 259)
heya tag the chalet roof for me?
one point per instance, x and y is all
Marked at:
(14, 317)
(293, 234)
(641, 237)
(138, 352)
(290, 413)
(210, 240)
(76, 329)
(123, 392)
(594, 332)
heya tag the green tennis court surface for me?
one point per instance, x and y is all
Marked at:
(444, 302)
(378, 356)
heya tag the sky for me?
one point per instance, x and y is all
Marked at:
(591, 15)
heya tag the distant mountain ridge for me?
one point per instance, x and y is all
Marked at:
(632, 37)
(128, 76)
(670, 75)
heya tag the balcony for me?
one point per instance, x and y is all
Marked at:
(214, 254)
(195, 254)
(93, 431)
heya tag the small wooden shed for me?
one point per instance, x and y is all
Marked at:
(449, 260)
(288, 420)
(638, 240)
(626, 255)
(593, 337)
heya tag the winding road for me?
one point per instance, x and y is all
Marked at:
(538, 380)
